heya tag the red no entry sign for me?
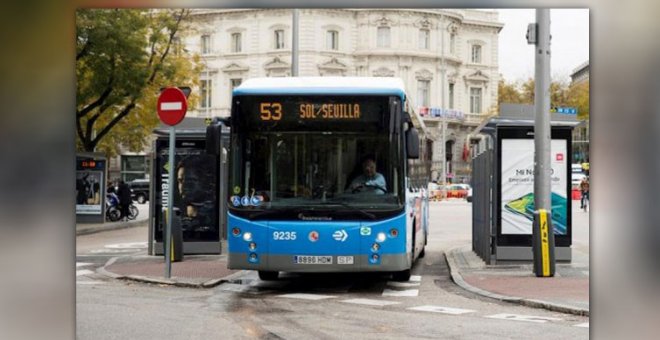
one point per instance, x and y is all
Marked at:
(172, 106)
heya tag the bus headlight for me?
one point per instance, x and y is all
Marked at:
(252, 246)
(253, 258)
(235, 231)
(375, 247)
(247, 237)
(380, 237)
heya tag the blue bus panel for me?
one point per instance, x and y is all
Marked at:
(318, 246)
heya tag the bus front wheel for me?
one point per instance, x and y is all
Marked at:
(401, 276)
(268, 276)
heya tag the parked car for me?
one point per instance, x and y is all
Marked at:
(576, 175)
(139, 190)
(457, 190)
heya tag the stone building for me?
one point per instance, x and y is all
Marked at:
(447, 58)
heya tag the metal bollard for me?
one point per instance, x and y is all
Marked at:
(543, 244)
(176, 250)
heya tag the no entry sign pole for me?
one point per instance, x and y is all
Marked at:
(170, 200)
(172, 107)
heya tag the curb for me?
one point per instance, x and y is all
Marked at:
(109, 227)
(171, 281)
(555, 307)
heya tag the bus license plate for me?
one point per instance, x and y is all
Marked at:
(344, 259)
(305, 259)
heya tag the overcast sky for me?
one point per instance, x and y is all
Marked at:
(569, 46)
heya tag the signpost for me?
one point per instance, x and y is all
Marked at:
(172, 106)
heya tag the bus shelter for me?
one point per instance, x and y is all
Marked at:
(91, 183)
(503, 186)
(199, 192)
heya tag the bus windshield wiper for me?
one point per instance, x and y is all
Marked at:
(270, 211)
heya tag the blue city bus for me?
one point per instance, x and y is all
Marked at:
(298, 200)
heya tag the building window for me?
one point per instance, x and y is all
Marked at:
(206, 44)
(476, 54)
(279, 39)
(134, 167)
(383, 37)
(332, 41)
(206, 88)
(236, 42)
(475, 100)
(424, 39)
(451, 95)
(452, 43)
(423, 92)
(234, 83)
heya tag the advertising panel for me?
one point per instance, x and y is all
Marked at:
(517, 186)
(195, 190)
(89, 186)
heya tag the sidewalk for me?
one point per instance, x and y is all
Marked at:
(91, 228)
(197, 271)
(566, 292)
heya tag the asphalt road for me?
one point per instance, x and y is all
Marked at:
(311, 306)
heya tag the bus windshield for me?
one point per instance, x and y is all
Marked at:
(286, 169)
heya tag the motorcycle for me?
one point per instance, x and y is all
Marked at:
(112, 210)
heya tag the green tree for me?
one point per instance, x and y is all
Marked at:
(123, 58)
(508, 93)
(578, 97)
(558, 93)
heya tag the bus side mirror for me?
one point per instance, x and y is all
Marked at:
(213, 134)
(412, 143)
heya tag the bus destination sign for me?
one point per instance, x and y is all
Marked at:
(269, 111)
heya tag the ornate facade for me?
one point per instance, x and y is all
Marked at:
(447, 58)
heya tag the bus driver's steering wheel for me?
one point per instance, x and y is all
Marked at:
(361, 188)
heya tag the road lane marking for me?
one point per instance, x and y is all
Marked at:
(403, 284)
(401, 293)
(83, 272)
(83, 264)
(415, 278)
(130, 245)
(89, 282)
(583, 325)
(306, 296)
(371, 302)
(440, 309)
(518, 317)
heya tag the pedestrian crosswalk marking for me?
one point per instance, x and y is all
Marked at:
(83, 264)
(83, 272)
(232, 287)
(583, 325)
(415, 278)
(401, 293)
(89, 282)
(518, 317)
(440, 309)
(371, 302)
(403, 284)
(306, 296)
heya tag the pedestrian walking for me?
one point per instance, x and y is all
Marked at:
(584, 189)
(124, 193)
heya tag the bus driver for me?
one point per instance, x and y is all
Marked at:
(370, 181)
